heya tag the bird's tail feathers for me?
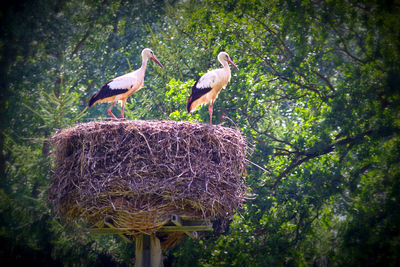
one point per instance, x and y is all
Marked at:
(93, 100)
(189, 104)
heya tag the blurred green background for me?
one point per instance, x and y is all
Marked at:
(317, 96)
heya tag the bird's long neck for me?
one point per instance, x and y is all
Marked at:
(144, 65)
(225, 65)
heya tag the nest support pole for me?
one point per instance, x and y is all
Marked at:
(148, 251)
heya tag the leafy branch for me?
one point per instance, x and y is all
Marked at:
(304, 156)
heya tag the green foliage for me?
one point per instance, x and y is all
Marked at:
(57, 110)
(310, 96)
(175, 98)
(316, 95)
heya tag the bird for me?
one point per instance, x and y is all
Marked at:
(120, 88)
(208, 86)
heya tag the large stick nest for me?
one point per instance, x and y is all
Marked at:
(136, 174)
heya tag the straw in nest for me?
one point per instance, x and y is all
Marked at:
(135, 174)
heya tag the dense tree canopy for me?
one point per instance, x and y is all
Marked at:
(317, 96)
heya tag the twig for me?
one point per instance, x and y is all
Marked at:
(258, 166)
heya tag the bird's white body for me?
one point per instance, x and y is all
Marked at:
(120, 88)
(217, 80)
(132, 81)
(208, 87)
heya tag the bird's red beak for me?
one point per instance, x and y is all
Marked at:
(233, 64)
(156, 61)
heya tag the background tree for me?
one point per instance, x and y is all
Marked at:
(54, 55)
(313, 95)
(317, 96)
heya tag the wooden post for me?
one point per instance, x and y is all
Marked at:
(177, 221)
(148, 247)
(148, 251)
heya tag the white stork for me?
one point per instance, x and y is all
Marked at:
(120, 88)
(207, 88)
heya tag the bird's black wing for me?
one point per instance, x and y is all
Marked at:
(200, 88)
(105, 92)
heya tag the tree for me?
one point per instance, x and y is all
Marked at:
(53, 55)
(316, 96)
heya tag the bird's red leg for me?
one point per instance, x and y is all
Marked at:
(109, 110)
(210, 111)
(122, 109)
